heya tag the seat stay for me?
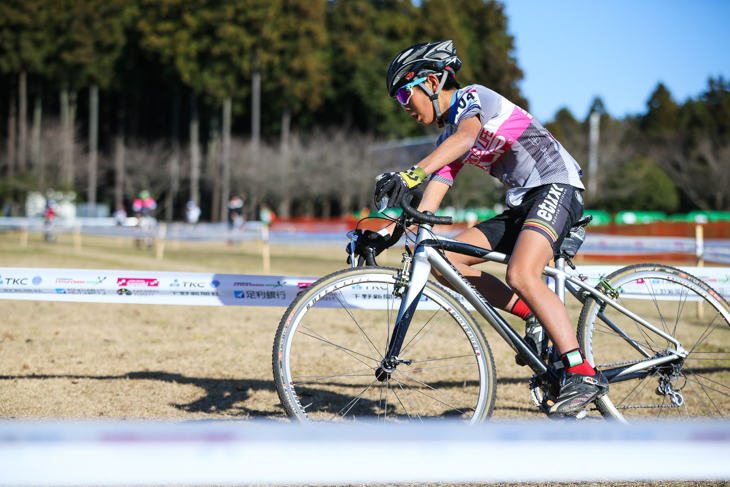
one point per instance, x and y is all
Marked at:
(603, 299)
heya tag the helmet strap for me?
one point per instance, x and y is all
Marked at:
(434, 96)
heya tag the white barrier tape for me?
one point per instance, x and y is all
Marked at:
(210, 289)
(204, 453)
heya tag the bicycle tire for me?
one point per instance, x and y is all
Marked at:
(685, 308)
(327, 350)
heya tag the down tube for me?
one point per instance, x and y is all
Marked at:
(462, 286)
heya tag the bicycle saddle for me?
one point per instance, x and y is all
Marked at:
(575, 238)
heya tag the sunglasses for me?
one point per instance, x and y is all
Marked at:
(404, 94)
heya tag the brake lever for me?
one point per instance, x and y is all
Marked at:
(352, 235)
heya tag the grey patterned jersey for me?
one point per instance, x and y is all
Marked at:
(512, 146)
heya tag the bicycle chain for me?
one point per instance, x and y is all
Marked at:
(628, 362)
(648, 406)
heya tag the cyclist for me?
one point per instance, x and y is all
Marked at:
(544, 195)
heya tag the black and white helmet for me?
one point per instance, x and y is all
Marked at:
(432, 57)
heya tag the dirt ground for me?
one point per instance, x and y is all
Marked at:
(83, 361)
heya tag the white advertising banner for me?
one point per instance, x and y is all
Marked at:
(718, 278)
(149, 287)
(212, 289)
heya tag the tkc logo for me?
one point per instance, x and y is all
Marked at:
(134, 281)
(14, 281)
(177, 283)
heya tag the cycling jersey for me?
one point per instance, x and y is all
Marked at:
(512, 146)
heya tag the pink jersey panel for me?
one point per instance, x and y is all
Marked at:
(450, 171)
(517, 122)
(497, 137)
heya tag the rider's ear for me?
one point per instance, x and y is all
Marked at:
(433, 82)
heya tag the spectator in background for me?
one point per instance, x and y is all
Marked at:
(235, 213)
(50, 220)
(144, 204)
(266, 215)
(120, 215)
(192, 212)
(143, 207)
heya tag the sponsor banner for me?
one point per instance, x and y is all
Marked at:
(145, 287)
(718, 278)
(712, 250)
(210, 289)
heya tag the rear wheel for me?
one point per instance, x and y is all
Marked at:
(331, 342)
(681, 306)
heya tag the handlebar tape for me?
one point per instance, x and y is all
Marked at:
(410, 210)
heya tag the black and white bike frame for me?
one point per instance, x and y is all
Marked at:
(428, 254)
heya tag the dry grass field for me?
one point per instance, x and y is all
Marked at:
(79, 360)
(102, 361)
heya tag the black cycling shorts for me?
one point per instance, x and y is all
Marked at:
(550, 210)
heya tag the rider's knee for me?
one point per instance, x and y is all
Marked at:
(520, 279)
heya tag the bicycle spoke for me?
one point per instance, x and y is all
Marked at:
(399, 401)
(357, 373)
(703, 381)
(349, 352)
(328, 370)
(705, 334)
(643, 383)
(355, 399)
(409, 400)
(434, 398)
(421, 369)
(428, 386)
(699, 397)
(366, 339)
(408, 345)
(697, 381)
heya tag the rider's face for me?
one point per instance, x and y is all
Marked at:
(419, 107)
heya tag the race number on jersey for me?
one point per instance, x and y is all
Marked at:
(468, 102)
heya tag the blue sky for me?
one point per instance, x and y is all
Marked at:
(574, 50)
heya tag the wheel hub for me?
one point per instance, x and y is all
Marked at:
(388, 366)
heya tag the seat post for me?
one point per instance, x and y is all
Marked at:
(560, 278)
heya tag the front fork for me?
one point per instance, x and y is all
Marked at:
(415, 284)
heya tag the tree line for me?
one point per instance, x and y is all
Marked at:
(282, 102)
(674, 158)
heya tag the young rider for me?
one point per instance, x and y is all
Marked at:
(486, 130)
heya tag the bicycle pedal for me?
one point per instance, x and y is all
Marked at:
(569, 418)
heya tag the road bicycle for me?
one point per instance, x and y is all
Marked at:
(385, 344)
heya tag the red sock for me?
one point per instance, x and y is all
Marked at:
(576, 363)
(520, 309)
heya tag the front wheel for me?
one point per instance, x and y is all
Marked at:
(330, 344)
(695, 381)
